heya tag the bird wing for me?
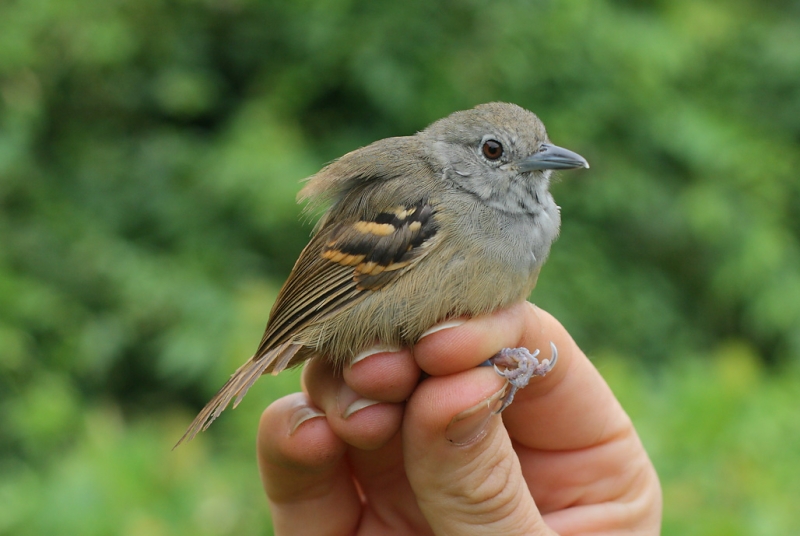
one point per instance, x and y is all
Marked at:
(342, 264)
(345, 261)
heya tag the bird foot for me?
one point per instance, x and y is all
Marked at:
(518, 366)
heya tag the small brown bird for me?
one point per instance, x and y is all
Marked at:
(456, 220)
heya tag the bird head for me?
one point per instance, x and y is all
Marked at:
(499, 152)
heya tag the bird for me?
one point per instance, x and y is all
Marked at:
(453, 221)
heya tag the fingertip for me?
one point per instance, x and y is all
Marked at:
(440, 400)
(383, 375)
(569, 408)
(543, 329)
(360, 421)
(292, 432)
(465, 345)
(447, 324)
(364, 423)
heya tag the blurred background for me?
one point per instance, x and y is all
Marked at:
(150, 152)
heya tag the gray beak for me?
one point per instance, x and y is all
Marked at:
(552, 157)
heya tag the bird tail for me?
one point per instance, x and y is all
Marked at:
(273, 361)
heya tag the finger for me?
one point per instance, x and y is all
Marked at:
(376, 462)
(582, 458)
(607, 488)
(304, 471)
(363, 423)
(572, 404)
(458, 345)
(575, 442)
(569, 403)
(391, 503)
(387, 375)
(460, 461)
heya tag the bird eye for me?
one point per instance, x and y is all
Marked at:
(492, 149)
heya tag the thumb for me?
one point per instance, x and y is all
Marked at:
(460, 461)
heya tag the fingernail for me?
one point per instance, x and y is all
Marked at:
(470, 425)
(357, 406)
(302, 414)
(377, 349)
(351, 402)
(443, 325)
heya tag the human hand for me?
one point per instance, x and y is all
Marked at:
(563, 459)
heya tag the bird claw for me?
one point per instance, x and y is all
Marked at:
(518, 366)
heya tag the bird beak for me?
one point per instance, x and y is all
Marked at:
(552, 157)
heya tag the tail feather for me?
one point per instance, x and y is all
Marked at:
(237, 386)
(282, 356)
(283, 359)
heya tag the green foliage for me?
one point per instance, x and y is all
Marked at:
(149, 156)
(723, 435)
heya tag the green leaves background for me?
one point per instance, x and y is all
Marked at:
(150, 152)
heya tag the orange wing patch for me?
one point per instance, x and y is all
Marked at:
(388, 243)
(371, 227)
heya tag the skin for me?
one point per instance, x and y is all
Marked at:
(564, 458)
